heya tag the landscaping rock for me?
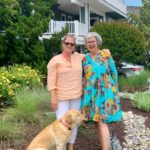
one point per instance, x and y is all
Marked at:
(137, 134)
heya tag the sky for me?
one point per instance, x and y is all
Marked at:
(133, 2)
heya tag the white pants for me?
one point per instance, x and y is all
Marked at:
(63, 107)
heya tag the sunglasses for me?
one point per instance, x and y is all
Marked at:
(71, 44)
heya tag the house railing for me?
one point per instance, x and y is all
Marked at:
(74, 27)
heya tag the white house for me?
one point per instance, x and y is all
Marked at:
(80, 15)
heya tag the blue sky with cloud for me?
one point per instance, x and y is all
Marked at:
(133, 2)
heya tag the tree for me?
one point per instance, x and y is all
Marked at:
(21, 34)
(143, 23)
(145, 27)
(125, 41)
(133, 19)
(8, 13)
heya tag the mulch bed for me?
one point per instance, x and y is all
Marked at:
(90, 141)
(87, 138)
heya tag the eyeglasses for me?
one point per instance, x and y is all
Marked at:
(91, 42)
(71, 44)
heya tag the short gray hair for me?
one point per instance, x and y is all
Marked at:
(95, 35)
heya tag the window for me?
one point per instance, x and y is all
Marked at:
(69, 18)
(63, 17)
(94, 20)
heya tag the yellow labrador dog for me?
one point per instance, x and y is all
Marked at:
(56, 135)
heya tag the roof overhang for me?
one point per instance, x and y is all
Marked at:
(96, 6)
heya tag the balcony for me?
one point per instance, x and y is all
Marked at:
(74, 27)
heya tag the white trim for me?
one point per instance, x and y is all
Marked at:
(104, 18)
(96, 11)
(87, 15)
(80, 14)
(78, 2)
(108, 3)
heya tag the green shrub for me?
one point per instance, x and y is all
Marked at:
(9, 129)
(134, 83)
(32, 106)
(26, 105)
(142, 101)
(29, 102)
(7, 88)
(14, 77)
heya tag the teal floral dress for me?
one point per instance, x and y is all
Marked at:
(100, 98)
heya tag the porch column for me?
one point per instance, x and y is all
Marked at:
(104, 17)
(85, 15)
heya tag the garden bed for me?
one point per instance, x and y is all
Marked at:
(87, 138)
(90, 141)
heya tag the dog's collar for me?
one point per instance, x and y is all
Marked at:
(65, 124)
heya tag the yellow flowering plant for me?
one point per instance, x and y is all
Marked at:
(14, 77)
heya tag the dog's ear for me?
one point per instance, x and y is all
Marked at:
(68, 118)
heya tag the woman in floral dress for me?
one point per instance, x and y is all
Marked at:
(100, 99)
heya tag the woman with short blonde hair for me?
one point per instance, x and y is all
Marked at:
(64, 81)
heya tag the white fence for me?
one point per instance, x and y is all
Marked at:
(74, 27)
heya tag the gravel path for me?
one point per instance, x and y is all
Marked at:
(137, 134)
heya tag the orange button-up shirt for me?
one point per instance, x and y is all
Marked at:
(65, 77)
